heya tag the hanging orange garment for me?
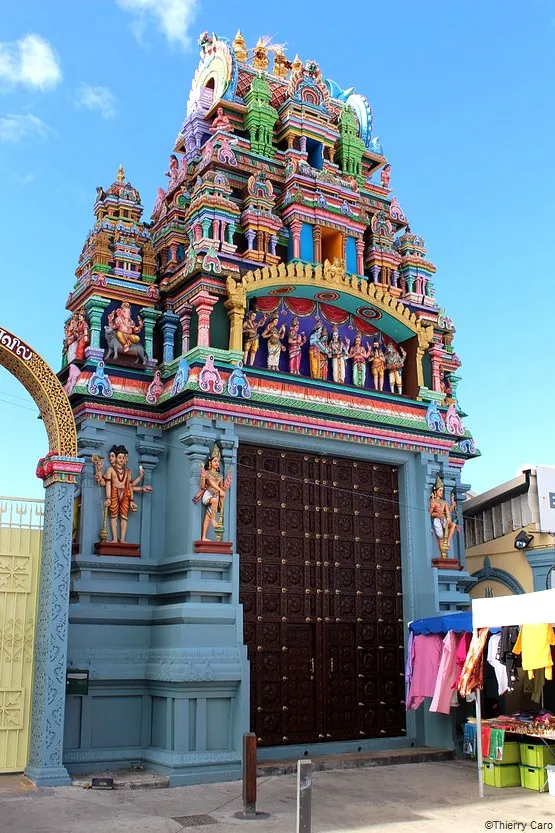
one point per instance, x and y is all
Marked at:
(534, 643)
(472, 674)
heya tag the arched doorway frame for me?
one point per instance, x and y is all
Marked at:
(59, 471)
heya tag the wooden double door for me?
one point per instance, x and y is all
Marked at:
(320, 583)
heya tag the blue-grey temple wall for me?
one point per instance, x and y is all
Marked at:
(162, 635)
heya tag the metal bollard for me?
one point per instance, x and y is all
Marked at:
(249, 775)
(304, 796)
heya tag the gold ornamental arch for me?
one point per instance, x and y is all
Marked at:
(324, 276)
(45, 388)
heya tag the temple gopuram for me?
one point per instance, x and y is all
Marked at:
(265, 394)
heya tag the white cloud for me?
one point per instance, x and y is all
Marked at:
(31, 62)
(97, 98)
(15, 127)
(172, 17)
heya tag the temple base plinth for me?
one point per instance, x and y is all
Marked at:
(118, 550)
(446, 563)
(217, 547)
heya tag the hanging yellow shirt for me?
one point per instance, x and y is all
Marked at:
(534, 643)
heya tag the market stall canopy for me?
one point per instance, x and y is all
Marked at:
(457, 622)
(524, 609)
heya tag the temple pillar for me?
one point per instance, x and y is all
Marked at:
(184, 313)
(395, 278)
(223, 224)
(375, 272)
(317, 241)
(250, 234)
(94, 308)
(359, 244)
(230, 231)
(435, 358)
(148, 452)
(60, 476)
(236, 306)
(273, 244)
(205, 224)
(197, 231)
(150, 317)
(216, 229)
(203, 303)
(296, 227)
(302, 144)
(169, 325)
(173, 253)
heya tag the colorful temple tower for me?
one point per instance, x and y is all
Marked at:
(265, 396)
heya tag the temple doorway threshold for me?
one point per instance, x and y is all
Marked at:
(356, 760)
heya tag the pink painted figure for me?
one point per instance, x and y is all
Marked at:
(385, 176)
(173, 171)
(295, 341)
(121, 322)
(221, 122)
(74, 373)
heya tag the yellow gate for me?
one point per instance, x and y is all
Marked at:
(20, 548)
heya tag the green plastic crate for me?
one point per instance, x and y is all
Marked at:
(511, 755)
(533, 778)
(536, 754)
(501, 775)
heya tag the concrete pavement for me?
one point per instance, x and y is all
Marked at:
(428, 797)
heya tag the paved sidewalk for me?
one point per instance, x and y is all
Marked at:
(428, 797)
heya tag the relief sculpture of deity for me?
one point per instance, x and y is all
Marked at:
(318, 351)
(339, 351)
(295, 340)
(394, 361)
(125, 329)
(76, 337)
(212, 494)
(120, 488)
(251, 326)
(274, 333)
(441, 515)
(358, 354)
(376, 358)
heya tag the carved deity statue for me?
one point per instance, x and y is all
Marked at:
(251, 326)
(260, 56)
(376, 357)
(76, 337)
(441, 514)
(385, 176)
(339, 351)
(120, 488)
(281, 64)
(121, 322)
(274, 333)
(221, 122)
(359, 353)
(318, 351)
(394, 361)
(295, 340)
(173, 172)
(212, 493)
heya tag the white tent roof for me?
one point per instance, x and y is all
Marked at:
(524, 609)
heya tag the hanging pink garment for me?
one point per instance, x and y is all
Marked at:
(446, 675)
(462, 651)
(426, 651)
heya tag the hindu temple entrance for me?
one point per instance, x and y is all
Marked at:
(320, 583)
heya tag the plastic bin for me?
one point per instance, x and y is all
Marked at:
(511, 755)
(533, 778)
(501, 775)
(536, 754)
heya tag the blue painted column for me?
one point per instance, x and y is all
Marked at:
(45, 767)
(169, 326)
(91, 440)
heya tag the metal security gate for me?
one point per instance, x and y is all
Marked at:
(20, 547)
(320, 583)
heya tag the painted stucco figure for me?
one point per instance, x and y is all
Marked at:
(318, 351)
(251, 326)
(274, 333)
(441, 513)
(358, 354)
(212, 492)
(339, 351)
(119, 492)
(125, 329)
(376, 357)
(394, 362)
(295, 340)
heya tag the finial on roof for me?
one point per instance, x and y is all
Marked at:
(240, 47)
(121, 174)
(297, 64)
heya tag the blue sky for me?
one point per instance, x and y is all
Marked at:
(463, 101)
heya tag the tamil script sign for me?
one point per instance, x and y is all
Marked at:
(546, 497)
